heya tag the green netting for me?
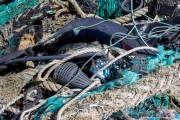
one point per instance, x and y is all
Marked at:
(150, 106)
(109, 8)
(13, 9)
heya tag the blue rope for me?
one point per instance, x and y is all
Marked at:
(134, 23)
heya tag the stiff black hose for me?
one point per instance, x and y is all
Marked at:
(125, 6)
(39, 58)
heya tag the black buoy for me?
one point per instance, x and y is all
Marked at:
(67, 71)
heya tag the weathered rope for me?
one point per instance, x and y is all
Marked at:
(10, 103)
(74, 99)
(11, 109)
(127, 17)
(77, 8)
(175, 106)
(54, 87)
(49, 85)
(63, 4)
(122, 55)
(56, 63)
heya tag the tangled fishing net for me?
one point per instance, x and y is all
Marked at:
(48, 72)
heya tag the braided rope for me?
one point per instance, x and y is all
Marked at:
(11, 109)
(127, 17)
(120, 56)
(50, 86)
(56, 63)
(74, 99)
(10, 103)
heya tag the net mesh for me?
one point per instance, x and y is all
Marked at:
(109, 8)
(13, 9)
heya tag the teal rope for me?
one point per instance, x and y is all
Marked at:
(78, 29)
(134, 23)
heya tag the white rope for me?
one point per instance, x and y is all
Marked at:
(71, 101)
(120, 56)
(33, 108)
(10, 103)
(11, 109)
(56, 63)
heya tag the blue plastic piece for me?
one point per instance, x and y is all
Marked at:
(99, 64)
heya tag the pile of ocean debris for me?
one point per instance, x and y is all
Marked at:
(89, 59)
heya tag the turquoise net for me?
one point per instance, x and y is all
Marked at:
(154, 108)
(109, 8)
(13, 9)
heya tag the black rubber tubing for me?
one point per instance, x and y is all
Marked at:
(39, 58)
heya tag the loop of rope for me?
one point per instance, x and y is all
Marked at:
(56, 63)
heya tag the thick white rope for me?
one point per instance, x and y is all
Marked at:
(122, 55)
(10, 103)
(11, 109)
(56, 63)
